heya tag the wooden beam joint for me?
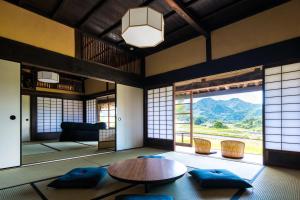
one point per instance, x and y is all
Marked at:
(182, 11)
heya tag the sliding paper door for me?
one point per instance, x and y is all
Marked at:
(10, 118)
(129, 117)
(25, 118)
(282, 108)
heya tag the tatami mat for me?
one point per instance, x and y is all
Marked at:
(184, 188)
(122, 155)
(109, 185)
(271, 183)
(244, 170)
(86, 150)
(63, 146)
(92, 143)
(24, 192)
(22, 175)
(275, 184)
(16, 176)
(31, 149)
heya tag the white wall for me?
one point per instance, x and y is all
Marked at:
(10, 105)
(130, 131)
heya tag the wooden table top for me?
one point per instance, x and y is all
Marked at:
(147, 170)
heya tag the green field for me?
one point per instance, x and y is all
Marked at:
(231, 131)
(252, 138)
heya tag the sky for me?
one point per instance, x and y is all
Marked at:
(251, 97)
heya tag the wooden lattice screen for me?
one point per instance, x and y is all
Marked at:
(100, 52)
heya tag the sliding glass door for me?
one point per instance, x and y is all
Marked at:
(184, 119)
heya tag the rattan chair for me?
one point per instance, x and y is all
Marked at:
(232, 149)
(202, 146)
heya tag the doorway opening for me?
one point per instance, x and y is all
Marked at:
(224, 107)
(72, 118)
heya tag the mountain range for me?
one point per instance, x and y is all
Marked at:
(231, 111)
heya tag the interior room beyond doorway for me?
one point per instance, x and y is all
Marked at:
(71, 118)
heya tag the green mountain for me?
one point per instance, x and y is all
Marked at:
(230, 111)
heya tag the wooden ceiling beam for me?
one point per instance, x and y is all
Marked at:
(90, 13)
(181, 10)
(243, 78)
(56, 9)
(225, 7)
(49, 60)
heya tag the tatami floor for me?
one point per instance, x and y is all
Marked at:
(31, 182)
(36, 152)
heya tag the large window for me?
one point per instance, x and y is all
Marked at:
(107, 110)
(91, 112)
(282, 108)
(73, 110)
(49, 114)
(160, 113)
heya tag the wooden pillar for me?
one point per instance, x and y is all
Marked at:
(208, 48)
(191, 118)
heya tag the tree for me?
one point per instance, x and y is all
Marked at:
(250, 123)
(219, 124)
(199, 121)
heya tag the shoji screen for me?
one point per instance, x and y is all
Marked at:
(160, 113)
(73, 110)
(106, 113)
(91, 115)
(282, 108)
(49, 114)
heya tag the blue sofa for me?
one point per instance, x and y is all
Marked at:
(80, 131)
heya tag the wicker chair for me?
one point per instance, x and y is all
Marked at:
(202, 146)
(232, 149)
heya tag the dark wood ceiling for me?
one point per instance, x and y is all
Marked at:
(102, 18)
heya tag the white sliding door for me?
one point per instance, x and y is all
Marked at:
(10, 114)
(282, 108)
(25, 118)
(130, 131)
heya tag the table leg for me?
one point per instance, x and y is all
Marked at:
(146, 188)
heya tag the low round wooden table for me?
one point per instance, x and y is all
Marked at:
(147, 171)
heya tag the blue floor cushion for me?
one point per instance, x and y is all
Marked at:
(218, 178)
(143, 197)
(152, 156)
(87, 177)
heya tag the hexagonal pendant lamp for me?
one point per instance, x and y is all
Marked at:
(48, 77)
(143, 27)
